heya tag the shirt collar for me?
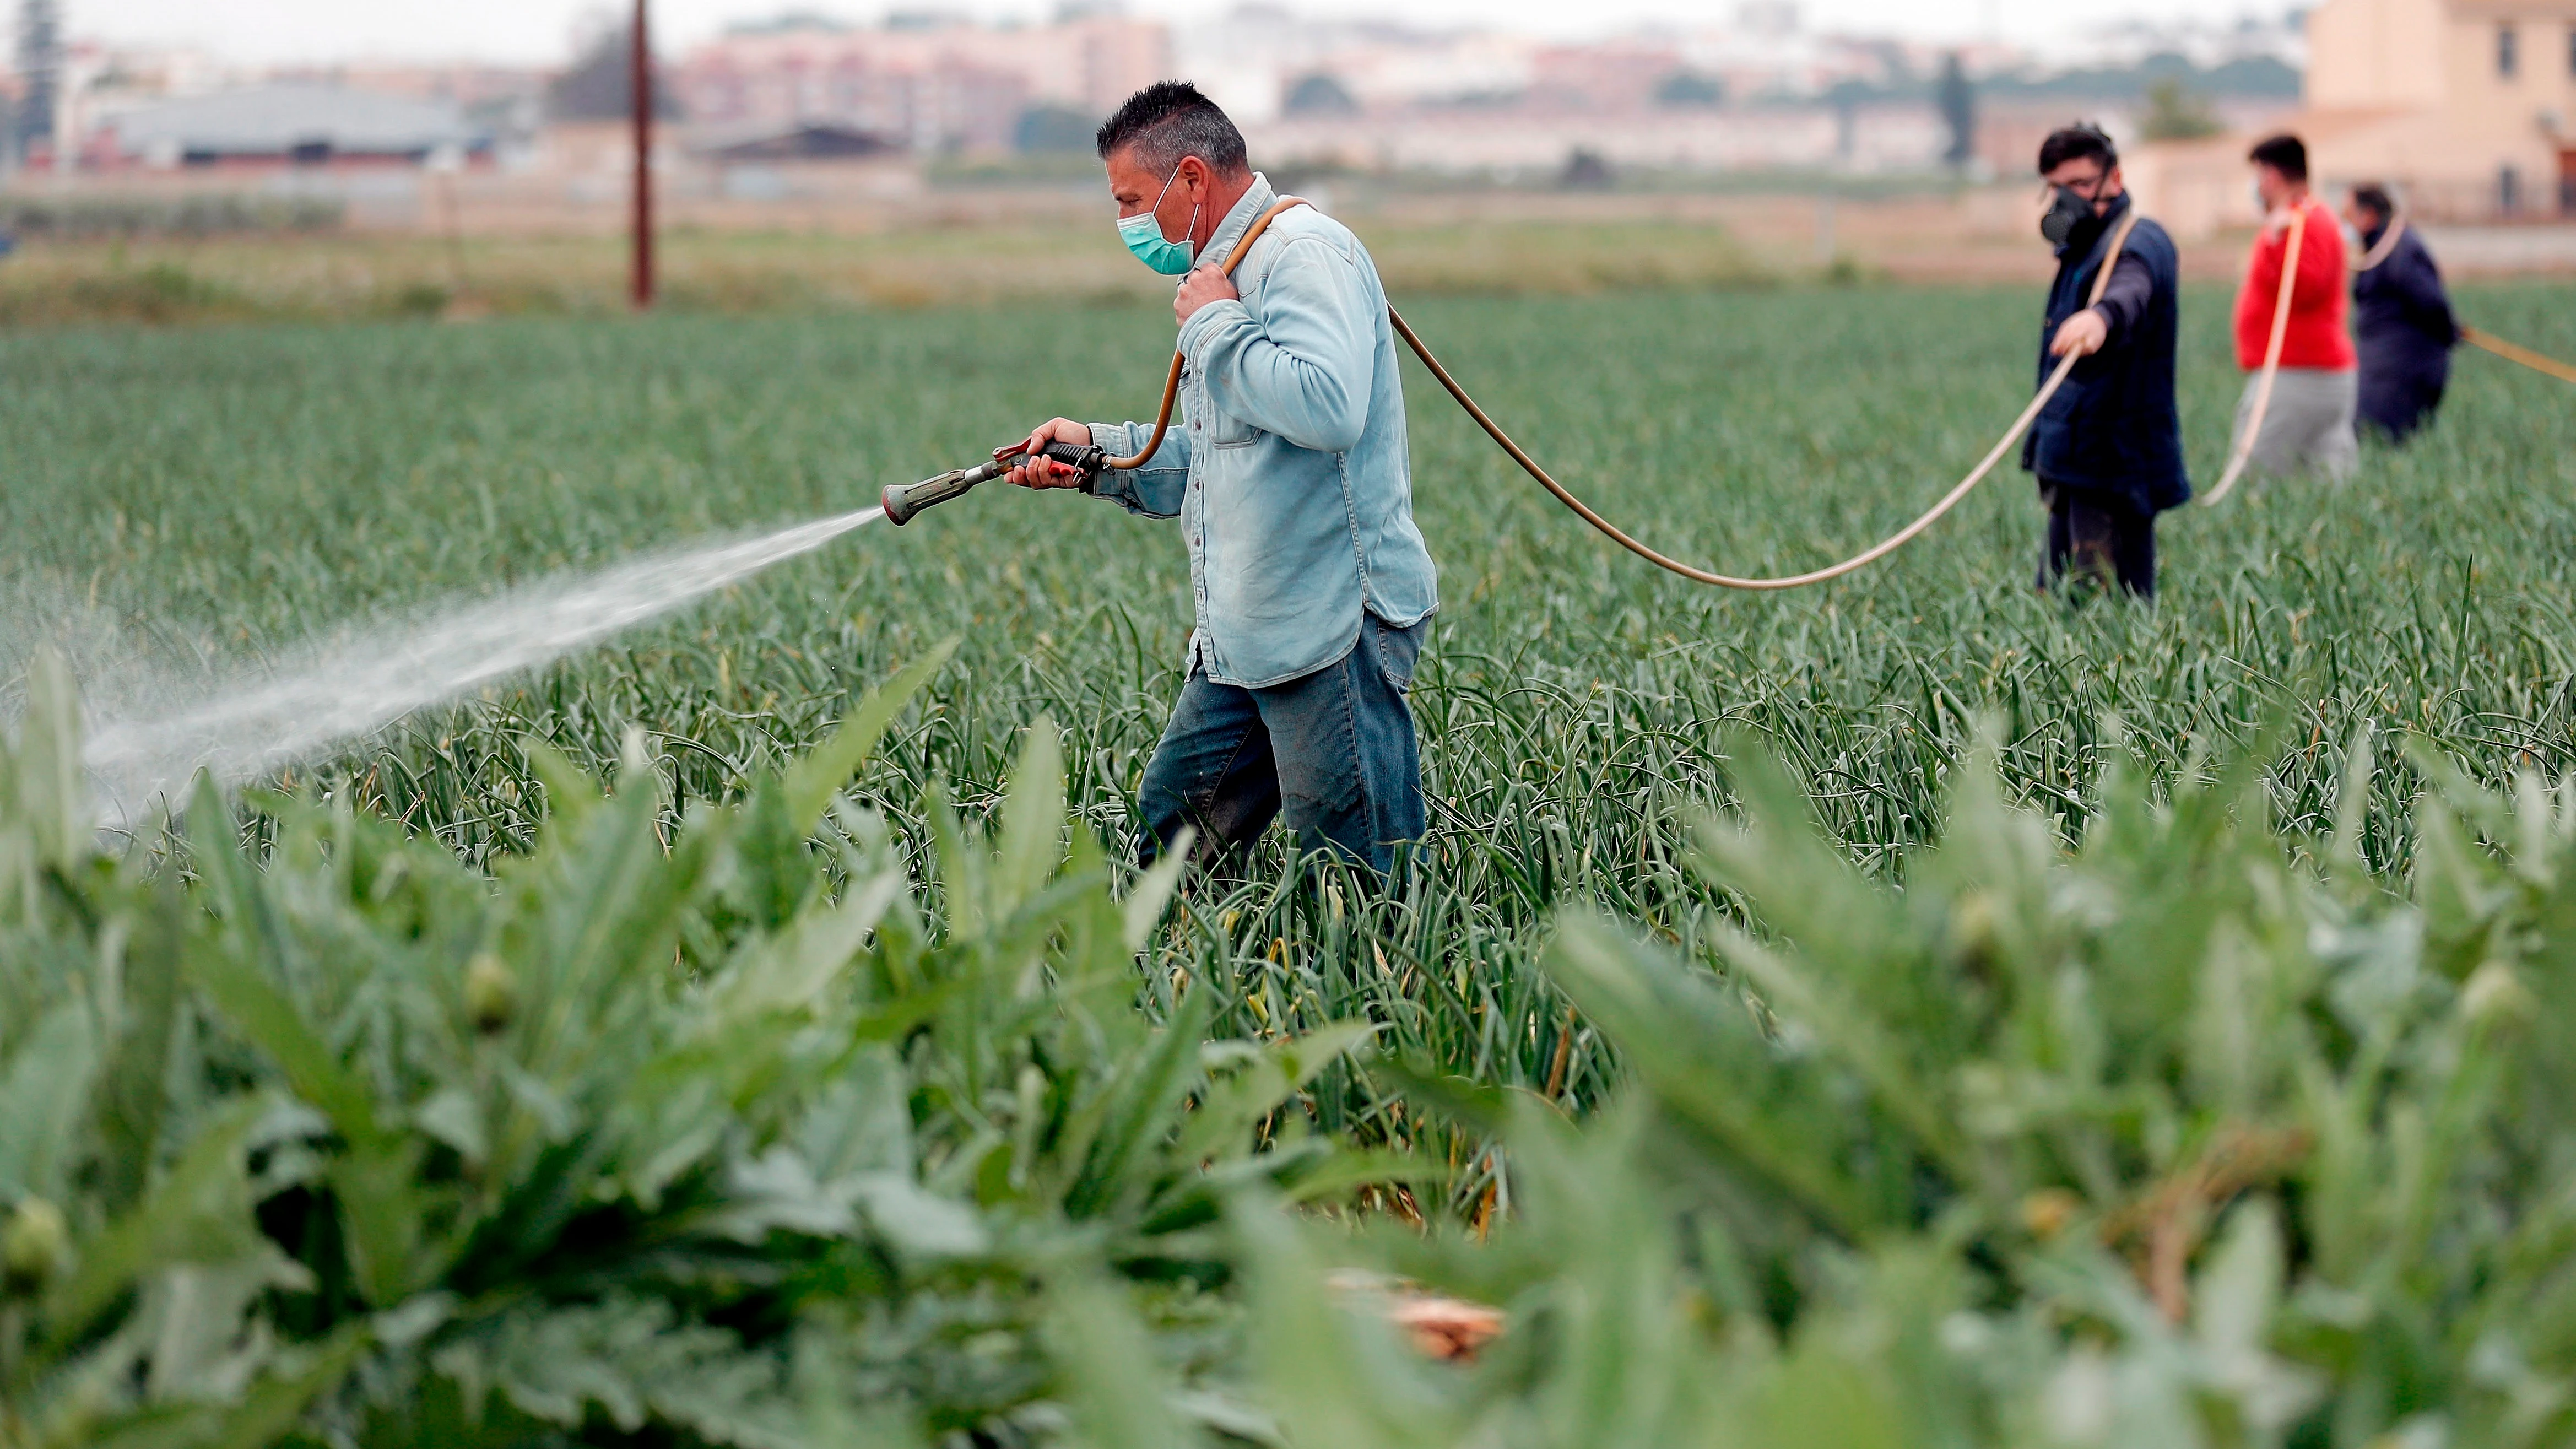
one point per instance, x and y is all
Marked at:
(1256, 200)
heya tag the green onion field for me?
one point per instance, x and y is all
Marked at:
(1912, 1011)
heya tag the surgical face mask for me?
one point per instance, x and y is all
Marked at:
(1144, 235)
(2064, 214)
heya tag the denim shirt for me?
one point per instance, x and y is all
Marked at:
(1289, 475)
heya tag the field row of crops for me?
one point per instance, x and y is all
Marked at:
(192, 499)
(2024, 1141)
(392, 275)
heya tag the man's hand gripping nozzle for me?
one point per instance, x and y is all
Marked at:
(903, 500)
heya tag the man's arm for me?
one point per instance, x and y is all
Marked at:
(2420, 286)
(1305, 370)
(1153, 490)
(2106, 323)
(2322, 275)
(2263, 272)
(2124, 301)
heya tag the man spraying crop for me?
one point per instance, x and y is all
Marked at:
(2107, 449)
(2308, 423)
(1310, 585)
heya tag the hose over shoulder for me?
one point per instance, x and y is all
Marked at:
(1494, 430)
(1172, 379)
(2243, 453)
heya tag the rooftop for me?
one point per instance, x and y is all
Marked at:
(285, 116)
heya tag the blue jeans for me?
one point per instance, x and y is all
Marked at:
(1333, 750)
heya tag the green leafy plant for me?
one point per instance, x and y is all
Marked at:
(203, 495)
(710, 1133)
(2176, 1140)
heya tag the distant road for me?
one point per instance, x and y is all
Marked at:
(2462, 250)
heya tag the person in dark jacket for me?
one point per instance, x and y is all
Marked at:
(2402, 321)
(2107, 450)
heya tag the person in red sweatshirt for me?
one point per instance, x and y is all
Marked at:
(2308, 426)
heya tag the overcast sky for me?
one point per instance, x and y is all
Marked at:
(540, 30)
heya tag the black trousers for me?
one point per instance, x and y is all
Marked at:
(2097, 536)
(2396, 405)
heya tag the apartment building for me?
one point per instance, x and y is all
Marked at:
(2468, 104)
(2466, 107)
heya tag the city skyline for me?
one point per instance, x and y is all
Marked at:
(261, 32)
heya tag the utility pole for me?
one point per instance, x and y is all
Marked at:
(40, 61)
(641, 86)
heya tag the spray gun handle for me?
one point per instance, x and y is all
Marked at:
(1081, 458)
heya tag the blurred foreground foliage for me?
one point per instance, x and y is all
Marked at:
(730, 1131)
(2195, 1135)
(710, 1137)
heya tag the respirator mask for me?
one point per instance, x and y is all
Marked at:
(1144, 235)
(2067, 212)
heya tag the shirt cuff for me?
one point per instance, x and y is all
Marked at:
(1111, 439)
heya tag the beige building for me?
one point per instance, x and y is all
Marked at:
(2466, 107)
(2470, 105)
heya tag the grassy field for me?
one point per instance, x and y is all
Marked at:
(2242, 1123)
(181, 498)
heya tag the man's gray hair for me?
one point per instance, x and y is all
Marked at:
(1169, 120)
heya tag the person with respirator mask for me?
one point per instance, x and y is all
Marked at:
(1311, 588)
(2107, 450)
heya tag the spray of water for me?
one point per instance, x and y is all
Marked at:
(258, 726)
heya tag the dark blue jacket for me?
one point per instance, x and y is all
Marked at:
(2404, 331)
(2113, 428)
